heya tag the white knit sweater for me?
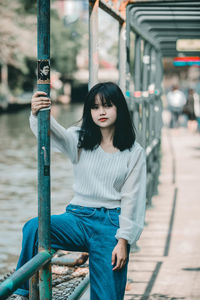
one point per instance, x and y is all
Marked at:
(103, 179)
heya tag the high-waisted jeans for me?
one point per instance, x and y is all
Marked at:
(83, 229)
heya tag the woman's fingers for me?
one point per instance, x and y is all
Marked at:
(39, 101)
(119, 257)
(123, 262)
(120, 264)
(38, 93)
(113, 257)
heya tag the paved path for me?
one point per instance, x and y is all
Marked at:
(168, 263)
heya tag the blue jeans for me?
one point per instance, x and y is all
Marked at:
(83, 229)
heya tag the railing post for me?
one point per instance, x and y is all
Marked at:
(145, 83)
(128, 67)
(122, 56)
(93, 43)
(44, 146)
(137, 85)
(137, 61)
(33, 287)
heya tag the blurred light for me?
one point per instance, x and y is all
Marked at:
(188, 45)
(186, 61)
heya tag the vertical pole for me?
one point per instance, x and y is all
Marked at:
(151, 97)
(122, 56)
(137, 84)
(146, 61)
(127, 57)
(159, 77)
(44, 146)
(158, 113)
(137, 70)
(145, 80)
(33, 287)
(93, 42)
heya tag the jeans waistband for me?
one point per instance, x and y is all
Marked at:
(117, 209)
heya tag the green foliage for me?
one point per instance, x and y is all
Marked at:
(19, 42)
(66, 42)
(28, 6)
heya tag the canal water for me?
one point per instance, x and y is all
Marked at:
(18, 178)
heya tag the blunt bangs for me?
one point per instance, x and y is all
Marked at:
(103, 94)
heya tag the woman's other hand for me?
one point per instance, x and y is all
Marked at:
(39, 101)
(119, 254)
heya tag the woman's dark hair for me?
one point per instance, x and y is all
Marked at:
(90, 134)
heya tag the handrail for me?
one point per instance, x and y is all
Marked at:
(25, 272)
(78, 292)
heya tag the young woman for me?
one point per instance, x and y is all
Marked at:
(106, 213)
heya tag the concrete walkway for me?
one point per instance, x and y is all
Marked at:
(168, 263)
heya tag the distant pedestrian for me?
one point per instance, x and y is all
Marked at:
(189, 111)
(176, 100)
(197, 109)
(106, 214)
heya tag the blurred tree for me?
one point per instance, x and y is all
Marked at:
(16, 41)
(18, 29)
(66, 42)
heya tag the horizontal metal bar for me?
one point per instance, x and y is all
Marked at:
(155, 3)
(163, 31)
(166, 35)
(175, 35)
(170, 14)
(176, 53)
(173, 9)
(23, 274)
(78, 292)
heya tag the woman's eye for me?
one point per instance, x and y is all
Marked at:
(108, 105)
(95, 107)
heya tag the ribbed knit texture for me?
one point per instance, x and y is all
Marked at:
(103, 179)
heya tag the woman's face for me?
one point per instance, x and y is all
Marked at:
(103, 115)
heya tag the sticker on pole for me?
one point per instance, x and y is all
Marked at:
(43, 71)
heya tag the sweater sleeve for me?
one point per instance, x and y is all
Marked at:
(133, 198)
(62, 140)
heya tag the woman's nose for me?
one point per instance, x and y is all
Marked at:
(102, 110)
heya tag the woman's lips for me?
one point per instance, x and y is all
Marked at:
(102, 119)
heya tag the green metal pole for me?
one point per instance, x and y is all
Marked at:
(137, 62)
(22, 274)
(93, 43)
(45, 288)
(145, 82)
(122, 56)
(128, 68)
(137, 85)
(78, 292)
(33, 287)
